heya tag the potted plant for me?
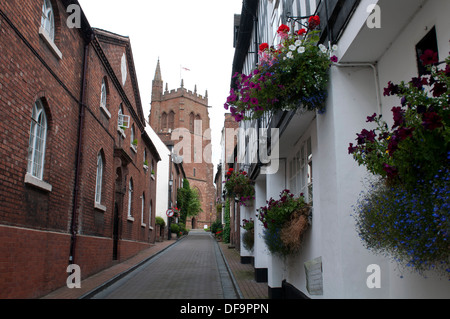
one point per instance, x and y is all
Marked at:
(292, 75)
(285, 222)
(405, 213)
(239, 186)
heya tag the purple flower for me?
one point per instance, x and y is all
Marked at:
(399, 117)
(254, 101)
(392, 89)
(334, 59)
(371, 118)
(352, 149)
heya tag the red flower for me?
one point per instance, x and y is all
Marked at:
(391, 171)
(429, 57)
(283, 29)
(314, 22)
(301, 31)
(431, 121)
(263, 47)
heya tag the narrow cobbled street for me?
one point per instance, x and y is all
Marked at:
(193, 268)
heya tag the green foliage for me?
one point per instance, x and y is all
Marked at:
(216, 226)
(276, 217)
(174, 228)
(226, 228)
(239, 185)
(406, 213)
(188, 202)
(160, 221)
(416, 146)
(294, 74)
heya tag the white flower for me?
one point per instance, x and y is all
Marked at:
(335, 47)
(292, 47)
(301, 50)
(290, 55)
(298, 43)
(322, 48)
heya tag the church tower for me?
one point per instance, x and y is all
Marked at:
(181, 119)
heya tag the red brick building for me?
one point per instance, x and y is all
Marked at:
(76, 165)
(180, 117)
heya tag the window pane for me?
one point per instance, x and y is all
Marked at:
(99, 182)
(38, 136)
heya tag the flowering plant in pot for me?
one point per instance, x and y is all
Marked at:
(248, 238)
(292, 75)
(285, 222)
(406, 211)
(239, 185)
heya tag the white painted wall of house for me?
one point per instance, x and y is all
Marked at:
(338, 179)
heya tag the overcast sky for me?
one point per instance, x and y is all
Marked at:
(195, 34)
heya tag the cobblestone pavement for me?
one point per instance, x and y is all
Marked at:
(191, 269)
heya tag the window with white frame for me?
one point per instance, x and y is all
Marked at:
(48, 19)
(37, 142)
(103, 96)
(130, 197)
(150, 214)
(300, 171)
(99, 181)
(142, 209)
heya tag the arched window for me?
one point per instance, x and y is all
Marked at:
(164, 121)
(191, 122)
(99, 181)
(37, 143)
(48, 19)
(130, 196)
(172, 120)
(104, 95)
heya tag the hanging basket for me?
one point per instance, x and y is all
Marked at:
(291, 234)
(248, 239)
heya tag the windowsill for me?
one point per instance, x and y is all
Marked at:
(122, 132)
(105, 110)
(33, 181)
(133, 148)
(44, 35)
(130, 218)
(100, 207)
(150, 227)
(153, 176)
(143, 225)
(145, 167)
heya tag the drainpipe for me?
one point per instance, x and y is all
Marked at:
(73, 225)
(374, 67)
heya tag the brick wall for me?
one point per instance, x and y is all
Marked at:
(35, 224)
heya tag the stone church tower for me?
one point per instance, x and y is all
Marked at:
(181, 119)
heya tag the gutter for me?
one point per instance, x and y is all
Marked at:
(374, 66)
(73, 225)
